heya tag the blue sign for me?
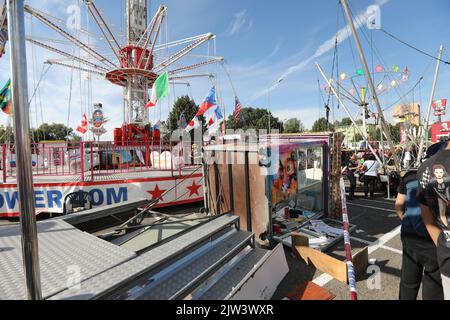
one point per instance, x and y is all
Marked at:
(55, 198)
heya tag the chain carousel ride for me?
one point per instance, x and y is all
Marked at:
(137, 164)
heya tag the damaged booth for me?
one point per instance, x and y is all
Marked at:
(276, 187)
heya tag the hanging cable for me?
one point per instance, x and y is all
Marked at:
(337, 63)
(70, 101)
(407, 93)
(413, 47)
(38, 83)
(229, 78)
(379, 56)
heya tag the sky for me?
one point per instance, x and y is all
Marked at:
(270, 49)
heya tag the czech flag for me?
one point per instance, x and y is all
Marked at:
(215, 117)
(209, 102)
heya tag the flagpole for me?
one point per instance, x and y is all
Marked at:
(425, 137)
(19, 95)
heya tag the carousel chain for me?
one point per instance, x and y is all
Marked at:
(69, 37)
(67, 55)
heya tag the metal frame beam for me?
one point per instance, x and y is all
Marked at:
(54, 62)
(197, 65)
(158, 29)
(66, 54)
(69, 37)
(200, 75)
(371, 84)
(100, 21)
(181, 53)
(363, 134)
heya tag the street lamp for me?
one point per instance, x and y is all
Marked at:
(272, 87)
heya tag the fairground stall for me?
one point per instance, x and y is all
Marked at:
(277, 186)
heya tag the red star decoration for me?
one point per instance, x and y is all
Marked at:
(156, 193)
(194, 189)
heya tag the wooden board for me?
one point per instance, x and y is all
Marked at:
(259, 207)
(259, 204)
(310, 291)
(325, 263)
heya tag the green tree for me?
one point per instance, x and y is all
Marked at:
(293, 125)
(254, 118)
(321, 125)
(54, 131)
(374, 132)
(75, 138)
(345, 122)
(6, 134)
(183, 105)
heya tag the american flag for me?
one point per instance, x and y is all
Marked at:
(237, 109)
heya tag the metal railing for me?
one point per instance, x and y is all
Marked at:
(91, 159)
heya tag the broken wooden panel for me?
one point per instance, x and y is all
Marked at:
(325, 263)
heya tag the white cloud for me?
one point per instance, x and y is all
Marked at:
(239, 22)
(341, 35)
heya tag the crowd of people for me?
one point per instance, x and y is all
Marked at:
(364, 167)
(423, 205)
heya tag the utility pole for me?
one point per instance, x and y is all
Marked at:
(424, 138)
(19, 94)
(370, 81)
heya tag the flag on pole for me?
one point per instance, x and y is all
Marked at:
(160, 90)
(5, 98)
(208, 103)
(194, 124)
(380, 87)
(82, 125)
(215, 118)
(405, 75)
(237, 109)
(157, 125)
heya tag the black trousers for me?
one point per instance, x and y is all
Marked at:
(369, 185)
(352, 179)
(420, 266)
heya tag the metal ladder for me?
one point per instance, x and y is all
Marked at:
(214, 268)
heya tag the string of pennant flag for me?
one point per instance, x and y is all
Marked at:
(382, 85)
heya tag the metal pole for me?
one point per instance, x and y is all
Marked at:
(370, 81)
(4, 162)
(364, 106)
(364, 134)
(430, 104)
(19, 94)
(92, 161)
(82, 160)
(382, 144)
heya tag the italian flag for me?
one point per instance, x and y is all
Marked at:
(160, 90)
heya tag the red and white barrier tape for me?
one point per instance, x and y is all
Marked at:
(348, 248)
